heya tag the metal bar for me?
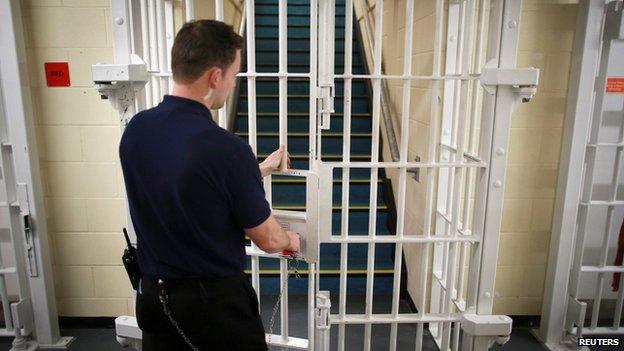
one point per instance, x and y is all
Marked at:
(505, 101)
(169, 35)
(284, 299)
(602, 269)
(357, 164)
(346, 155)
(219, 10)
(251, 111)
(223, 110)
(352, 77)
(312, 157)
(145, 42)
(617, 317)
(431, 158)
(189, 10)
(403, 318)
(161, 44)
(405, 110)
(444, 181)
(312, 290)
(372, 213)
(6, 306)
(283, 82)
(451, 77)
(153, 66)
(312, 278)
(408, 238)
(459, 121)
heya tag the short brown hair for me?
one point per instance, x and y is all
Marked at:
(200, 45)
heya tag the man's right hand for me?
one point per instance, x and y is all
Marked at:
(295, 242)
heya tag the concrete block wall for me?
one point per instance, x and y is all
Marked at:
(78, 138)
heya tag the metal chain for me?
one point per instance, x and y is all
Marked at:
(279, 297)
(176, 326)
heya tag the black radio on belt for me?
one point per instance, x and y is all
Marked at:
(131, 263)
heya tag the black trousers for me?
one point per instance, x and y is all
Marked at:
(214, 313)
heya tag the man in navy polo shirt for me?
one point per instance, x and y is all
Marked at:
(195, 191)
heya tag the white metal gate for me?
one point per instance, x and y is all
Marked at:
(471, 106)
(588, 211)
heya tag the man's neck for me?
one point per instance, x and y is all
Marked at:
(192, 93)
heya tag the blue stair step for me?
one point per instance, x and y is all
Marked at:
(359, 193)
(356, 284)
(294, 32)
(298, 86)
(267, 58)
(294, 21)
(301, 104)
(292, 10)
(300, 144)
(299, 123)
(295, 44)
(292, 2)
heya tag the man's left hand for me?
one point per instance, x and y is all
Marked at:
(273, 161)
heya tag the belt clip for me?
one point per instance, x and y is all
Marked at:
(162, 291)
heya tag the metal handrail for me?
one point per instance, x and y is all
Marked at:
(385, 92)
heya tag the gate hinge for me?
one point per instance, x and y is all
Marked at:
(22, 198)
(22, 314)
(321, 321)
(325, 105)
(497, 328)
(574, 320)
(522, 80)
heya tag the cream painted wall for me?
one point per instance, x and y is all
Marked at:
(78, 135)
(546, 33)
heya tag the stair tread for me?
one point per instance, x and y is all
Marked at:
(296, 207)
(335, 181)
(325, 271)
(301, 134)
(298, 96)
(326, 156)
(304, 114)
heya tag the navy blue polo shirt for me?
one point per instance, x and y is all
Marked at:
(192, 187)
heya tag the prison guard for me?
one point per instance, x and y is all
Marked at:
(192, 187)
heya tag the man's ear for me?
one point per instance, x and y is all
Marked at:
(213, 76)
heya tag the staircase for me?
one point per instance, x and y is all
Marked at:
(288, 192)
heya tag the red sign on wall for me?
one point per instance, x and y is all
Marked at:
(615, 85)
(57, 74)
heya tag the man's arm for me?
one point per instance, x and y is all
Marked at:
(272, 238)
